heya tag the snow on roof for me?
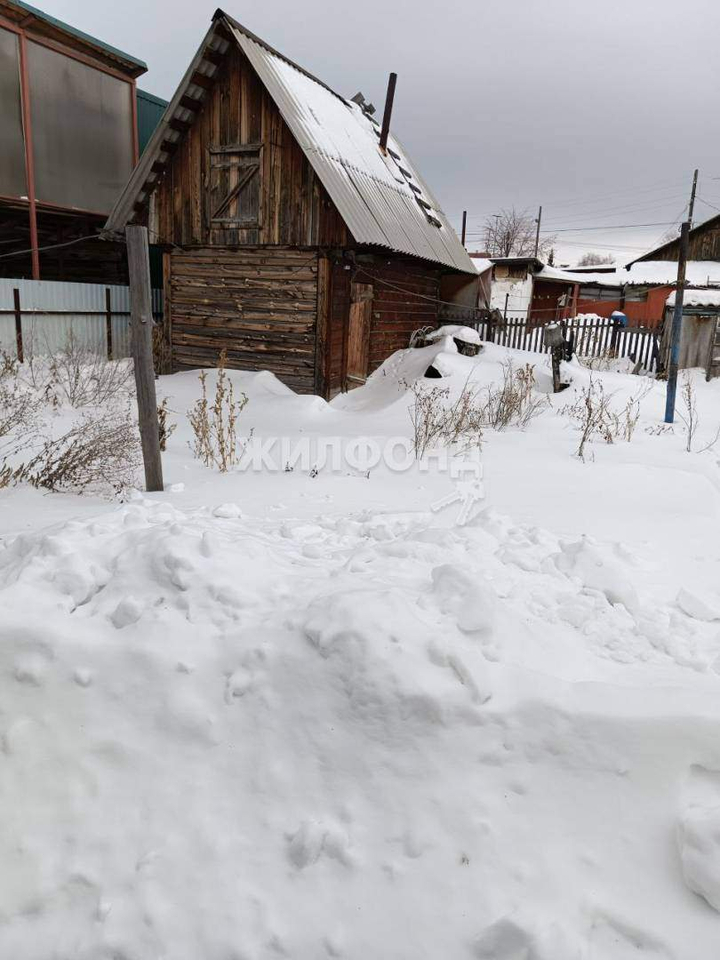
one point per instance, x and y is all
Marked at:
(380, 196)
(481, 264)
(697, 298)
(700, 273)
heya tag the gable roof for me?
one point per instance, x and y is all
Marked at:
(381, 197)
(711, 222)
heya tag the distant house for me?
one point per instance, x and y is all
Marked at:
(640, 290)
(71, 126)
(704, 244)
(294, 240)
(524, 288)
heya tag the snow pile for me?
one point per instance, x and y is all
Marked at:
(264, 716)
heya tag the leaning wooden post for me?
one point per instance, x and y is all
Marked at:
(141, 327)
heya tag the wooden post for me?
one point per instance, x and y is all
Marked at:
(18, 324)
(537, 232)
(141, 324)
(108, 324)
(677, 325)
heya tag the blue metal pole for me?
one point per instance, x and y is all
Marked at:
(677, 326)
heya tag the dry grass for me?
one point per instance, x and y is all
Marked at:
(214, 424)
(593, 414)
(165, 427)
(78, 376)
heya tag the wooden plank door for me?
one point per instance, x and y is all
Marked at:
(358, 334)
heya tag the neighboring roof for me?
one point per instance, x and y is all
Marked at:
(711, 223)
(136, 66)
(658, 273)
(481, 263)
(382, 198)
(519, 261)
(150, 110)
(697, 298)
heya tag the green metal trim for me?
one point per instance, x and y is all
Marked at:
(80, 34)
(151, 98)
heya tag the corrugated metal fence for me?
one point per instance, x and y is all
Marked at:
(37, 317)
(596, 337)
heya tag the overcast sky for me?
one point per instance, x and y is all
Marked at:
(597, 110)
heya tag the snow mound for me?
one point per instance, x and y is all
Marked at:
(348, 736)
(699, 835)
(466, 334)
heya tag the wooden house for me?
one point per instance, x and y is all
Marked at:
(703, 244)
(294, 240)
(70, 115)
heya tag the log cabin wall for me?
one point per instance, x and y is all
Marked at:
(405, 295)
(239, 135)
(257, 303)
(405, 298)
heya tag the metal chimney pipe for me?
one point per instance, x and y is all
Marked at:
(385, 129)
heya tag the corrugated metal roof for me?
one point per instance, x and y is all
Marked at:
(378, 195)
(381, 197)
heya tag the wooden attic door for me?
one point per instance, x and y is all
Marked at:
(358, 334)
(234, 188)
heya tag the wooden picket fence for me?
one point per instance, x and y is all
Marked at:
(590, 337)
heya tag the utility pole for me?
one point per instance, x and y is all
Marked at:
(464, 227)
(692, 199)
(676, 331)
(537, 232)
(142, 323)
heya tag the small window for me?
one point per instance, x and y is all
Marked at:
(235, 185)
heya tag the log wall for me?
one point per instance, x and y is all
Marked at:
(257, 303)
(405, 298)
(406, 295)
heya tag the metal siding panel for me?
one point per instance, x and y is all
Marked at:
(44, 335)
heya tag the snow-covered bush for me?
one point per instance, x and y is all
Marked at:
(98, 451)
(215, 425)
(78, 376)
(593, 414)
(436, 421)
(513, 401)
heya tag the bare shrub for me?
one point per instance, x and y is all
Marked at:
(165, 427)
(624, 423)
(463, 422)
(437, 422)
(98, 452)
(215, 425)
(9, 365)
(513, 402)
(428, 415)
(593, 414)
(78, 376)
(19, 420)
(690, 418)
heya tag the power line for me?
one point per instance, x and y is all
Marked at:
(51, 246)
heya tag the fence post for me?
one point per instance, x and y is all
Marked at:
(18, 324)
(141, 319)
(108, 324)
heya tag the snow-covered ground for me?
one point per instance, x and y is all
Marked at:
(281, 713)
